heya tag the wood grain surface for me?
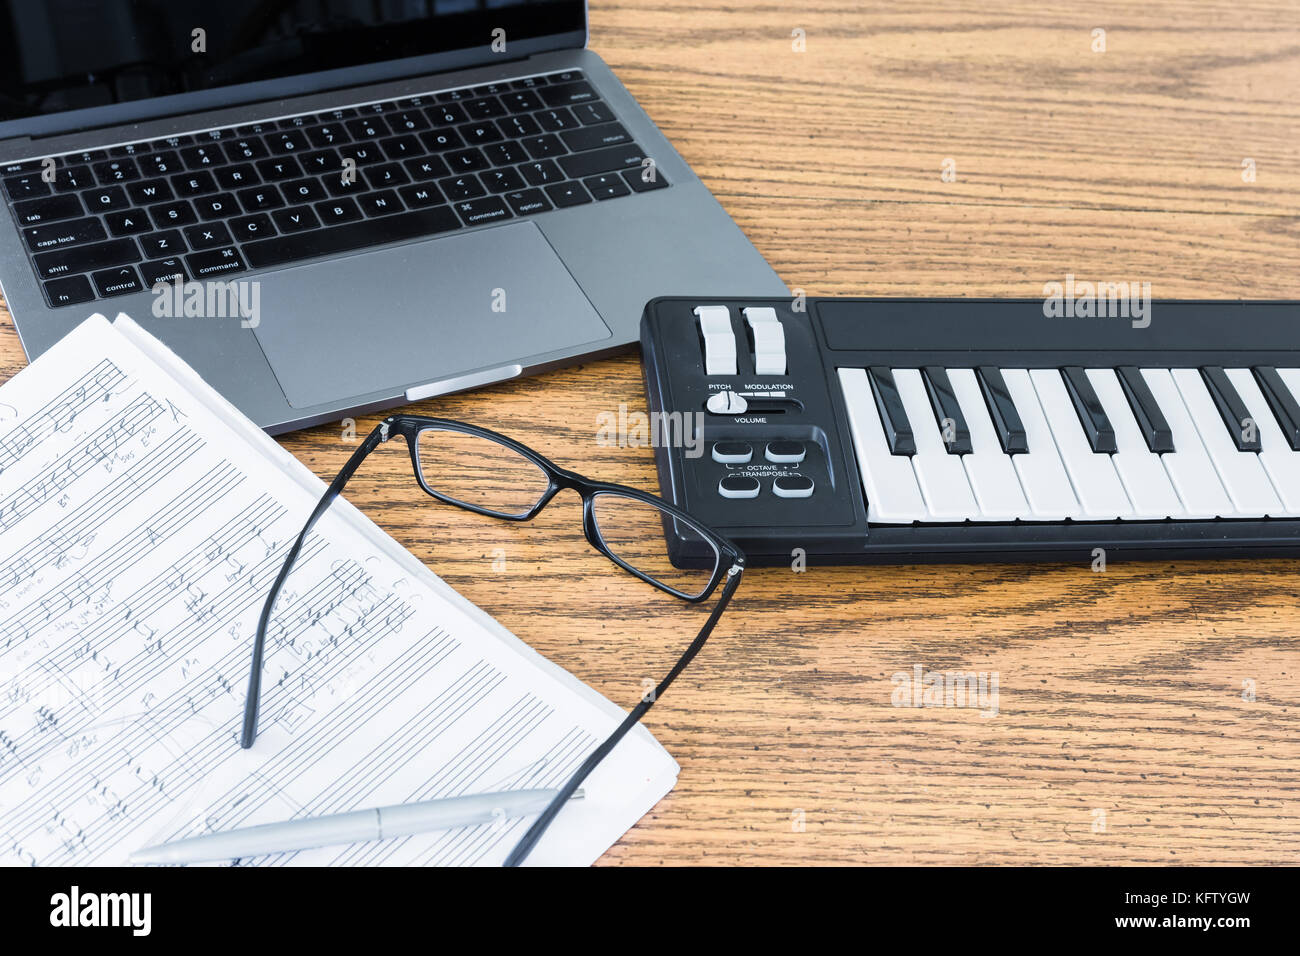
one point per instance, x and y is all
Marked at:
(1147, 714)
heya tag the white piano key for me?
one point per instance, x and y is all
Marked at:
(1145, 480)
(1276, 455)
(1042, 475)
(992, 475)
(1188, 465)
(942, 478)
(1096, 485)
(889, 482)
(1291, 379)
(1242, 474)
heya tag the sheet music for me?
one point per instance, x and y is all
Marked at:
(142, 521)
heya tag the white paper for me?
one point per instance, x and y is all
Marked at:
(142, 521)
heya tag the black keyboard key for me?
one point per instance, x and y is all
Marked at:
(583, 165)
(122, 280)
(1096, 426)
(237, 177)
(322, 162)
(568, 76)
(69, 178)
(171, 269)
(568, 94)
(401, 147)
(337, 211)
(288, 141)
(330, 134)
(446, 114)
(485, 107)
(215, 262)
(467, 161)
(529, 83)
(105, 199)
(129, 223)
(386, 176)
(69, 291)
(166, 163)
(304, 190)
(248, 228)
(420, 195)
(194, 184)
(526, 202)
(502, 180)
(262, 197)
(208, 235)
(219, 206)
(295, 219)
(568, 194)
(553, 121)
(58, 235)
(280, 168)
(475, 212)
(1002, 410)
(441, 140)
(366, 153)
(1284, 405)
(102, 255)
(593, 113)
(203, 157)
(608, 186)
(26, 186)
(253, 130)
(158, 245)
(517, 127)
(179, 213)
(366, 127)
(480, 134)
(116, 171)
(953, 431)
(1236, 417)
(427, 167)
(595, 137)
(645, 179)
(50, 209)
(1151, 420)
(149, 191)
(462, 187)
(407, 121)
(505, 154)
(381, 203)
(345, 238)
(454, 96)
(542, 173)
(491, 89)
(898, 430)
(522, 101)
(15, 169)
(350, 185)
(171, 142)
(246, 148)
(544, 146)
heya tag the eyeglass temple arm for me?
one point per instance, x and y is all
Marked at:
(253, 697)
(529, 839)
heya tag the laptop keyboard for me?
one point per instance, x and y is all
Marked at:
(210, 204)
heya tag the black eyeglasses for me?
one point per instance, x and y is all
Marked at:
(490, 474)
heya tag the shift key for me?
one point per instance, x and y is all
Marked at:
(102, 255)
(602, 161)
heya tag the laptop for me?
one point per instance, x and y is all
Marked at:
(333, 207)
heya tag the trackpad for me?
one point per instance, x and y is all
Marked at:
(414, 314)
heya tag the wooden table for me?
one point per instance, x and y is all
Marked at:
(1127, 730)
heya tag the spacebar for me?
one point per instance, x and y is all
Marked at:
(345, 238)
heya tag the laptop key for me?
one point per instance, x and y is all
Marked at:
(475, 212)
(330, 134)
(217, 207)
(284, 167)
(304, 190)
(407, 121)
(170, 269)
(427, 167)
(73, 177)
(116, 171)
(105, 199)
(568, 194)
(594, 137)
(645, 179)
(148, 191)
(420, 195)
(322, 161)
(505, 154)
(50, 209)
(542, 173)
(502, 180)
(467, 160)
(544, 146)
(446, 114)
(354, 235)
(401, 147)
(367, 127)
(337, 211)
(120, 281)
(170, 214)
(568, 94)
(129, 223)
(248, 228)
(207, 235)
(592, 113)
(583, 165)
(485, 107)
(441, 140)
(389, 174)
(462, 187)
(608, 186)
(62, 234)
(165, 163)
(263, 197)
(102, 255)
(517, 127)
(555, 120)
(161, 244)
(69, 291)
(295, 219)
(235, 177)
(202, 157)
(245, 148)
(382, 203)
(27, 186)
(522, 101)
(194, 184)
(526, 202)
(215, 262)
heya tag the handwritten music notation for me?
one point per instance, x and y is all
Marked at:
(142, 521)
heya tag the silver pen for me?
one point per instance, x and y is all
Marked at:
(380, 823)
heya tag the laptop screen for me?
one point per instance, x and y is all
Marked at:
(64, 55)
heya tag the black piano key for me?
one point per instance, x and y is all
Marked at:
(944, 402)
(1242, 428)
(1006, 420)
(1150, 419)
(1101, 435)
(898, 430)
(1285, 408)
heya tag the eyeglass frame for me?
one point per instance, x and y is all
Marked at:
(730, 564)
